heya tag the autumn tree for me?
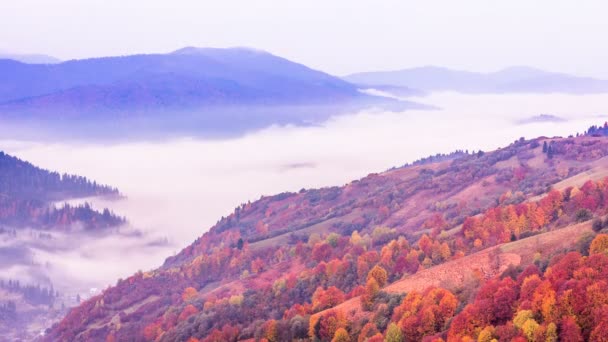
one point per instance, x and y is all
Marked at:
(393, 333)
(570, 331)
(341, 335)
(424, 314)
(379, 274)
(270, 330)
(367, 331)
(328, 324)
(323, 299)
(599, 244)
(371, 291)
(188, 311)
(189, 294)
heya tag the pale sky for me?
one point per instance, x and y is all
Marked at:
(336, 36)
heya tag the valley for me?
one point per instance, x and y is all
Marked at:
(161, 180)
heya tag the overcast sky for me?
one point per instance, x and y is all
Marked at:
(337, 36)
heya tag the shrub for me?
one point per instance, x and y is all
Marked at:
(583, 215)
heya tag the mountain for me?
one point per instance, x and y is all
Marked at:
(186, 79)
(30, 58)
(192, 91)
(508, 244)
(509, 80)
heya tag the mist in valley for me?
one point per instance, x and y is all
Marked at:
(176, 189)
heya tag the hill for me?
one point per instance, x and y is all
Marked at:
(417, 252)
(509, 80)
(27, 194)
(182, 82)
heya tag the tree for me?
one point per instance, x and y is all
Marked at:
(486, 335)
(298, 327)
(379, 274)
(425, 314)
(570, 331)
(599, 244)
(522, 317)
(371, 291)
(529, 328)
(341, 335)
(270, 330)
(600, 333)
(257, 265)
(328, 324)
(188, 311)
(425, 244)
(376, 338)
(551, 333)
(151, 331)
(189, 294)
(323, 299)
(367, 331)
(393, 333)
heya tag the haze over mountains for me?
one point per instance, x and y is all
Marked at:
(518, 79)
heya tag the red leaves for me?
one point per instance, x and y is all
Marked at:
(572, 295)
(424, 314)
(323, 299)
(188, 311)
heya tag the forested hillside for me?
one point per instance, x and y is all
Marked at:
(506, 245)
(27, 193)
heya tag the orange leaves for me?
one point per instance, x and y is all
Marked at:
(569, 302)
(544, 300)
(379, 274)
(424, 314)
(371, 291)
(328, 325)
(599, 244)
(270, 331)
(341, 335)
(189, 294)
(425, 244)
(323, 299)
(261, 227)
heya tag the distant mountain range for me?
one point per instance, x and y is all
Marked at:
(510, 80)
(30, 58)
(187, 79)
